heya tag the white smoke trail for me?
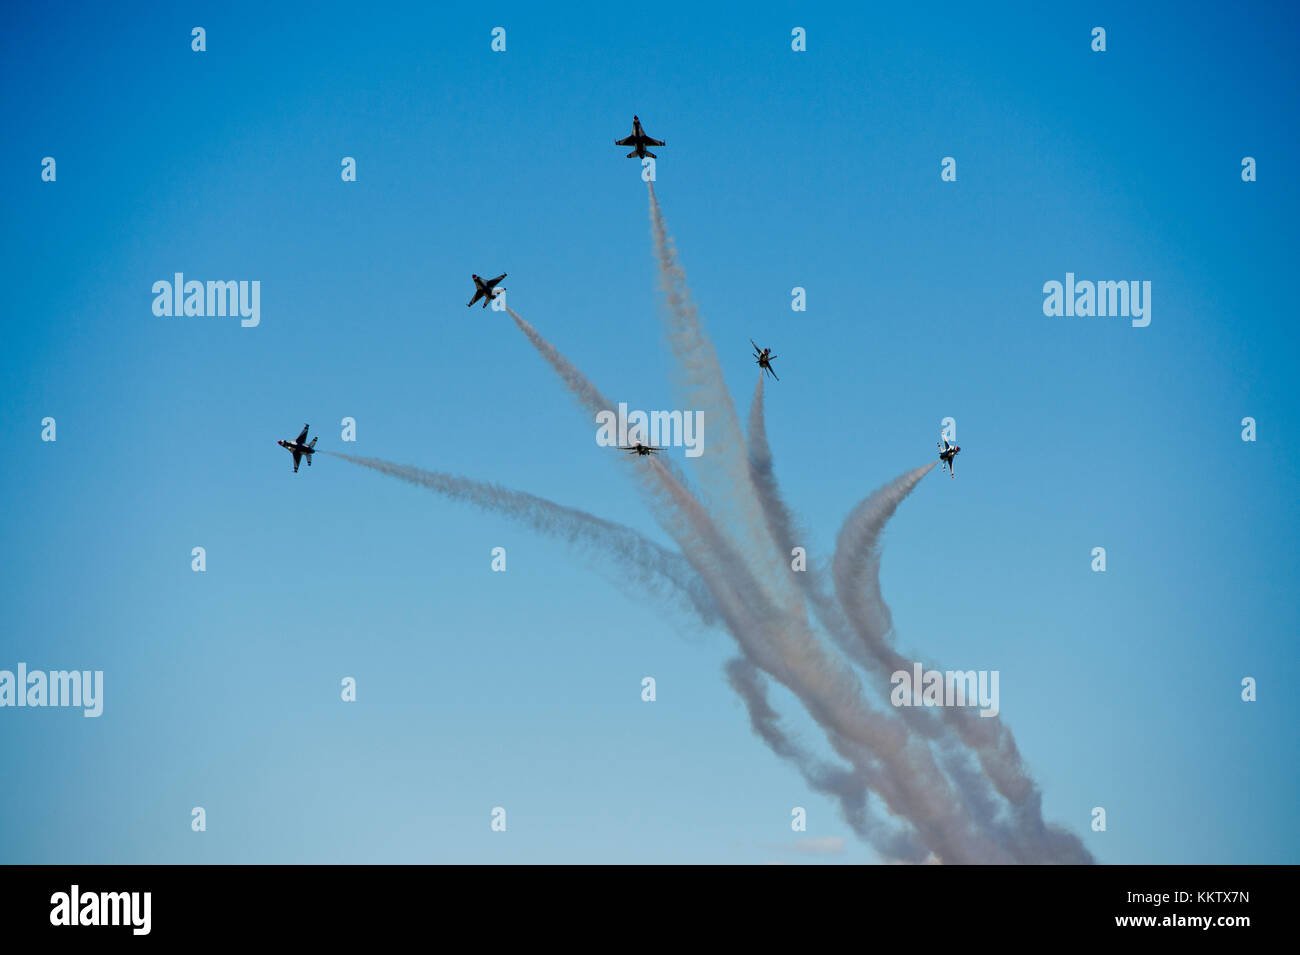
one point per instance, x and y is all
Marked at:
(856, 570)
(787, 534)
(742, 603)
(733, 490)
(765, 614)
(579, 386)
(861, 595)
(790, 652)
(850, 788)
(902, 772)
(653, 567)
(733, 482)
(724, 469)
(856, 565)
(779, 642)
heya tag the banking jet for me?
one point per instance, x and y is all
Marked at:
(639, 141)
(485, 289)
(299, 448)
(764, 358)
(946, 454)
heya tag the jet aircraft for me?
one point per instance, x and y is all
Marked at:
(485, 289)
(639, 448)
(639, 141)
(299, 448)
(764, 358)
(946, 454)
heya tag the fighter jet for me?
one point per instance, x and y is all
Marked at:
(946, 454)
(485, 289)
(764, 358)
(639, 141)
(639, 448)
(298, 448)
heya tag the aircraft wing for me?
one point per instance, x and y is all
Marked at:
(478, 294)
(493, 282)
(629, 141)
(303, 437)
(653, 142)
(297, 458)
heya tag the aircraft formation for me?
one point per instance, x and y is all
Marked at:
(489, 289)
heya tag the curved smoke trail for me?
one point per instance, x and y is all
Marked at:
(742, 603)
(850, 788)
(856, 565)
(856, 570)
(778, 641)
(787, 534)
(655, 567)
(724, 469)
(666, 573)
(732, 564)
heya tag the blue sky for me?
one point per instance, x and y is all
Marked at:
(817, 169)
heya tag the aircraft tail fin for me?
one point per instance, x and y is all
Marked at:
(313, 443)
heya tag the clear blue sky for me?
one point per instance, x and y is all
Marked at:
(818, 169)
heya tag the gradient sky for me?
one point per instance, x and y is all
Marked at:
(818, 169)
